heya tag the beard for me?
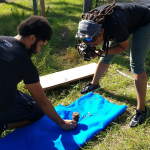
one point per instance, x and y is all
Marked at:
(32, 49)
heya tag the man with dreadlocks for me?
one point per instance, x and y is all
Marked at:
(112, 25)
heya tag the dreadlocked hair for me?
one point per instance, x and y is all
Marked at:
(99, 18)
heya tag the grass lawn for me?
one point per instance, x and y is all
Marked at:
(59, 54)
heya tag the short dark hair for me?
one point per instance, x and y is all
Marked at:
(35, 25)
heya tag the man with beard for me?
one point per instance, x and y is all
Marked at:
(16, 108)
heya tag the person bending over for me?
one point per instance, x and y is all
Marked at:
(113, 24)
(16, 108)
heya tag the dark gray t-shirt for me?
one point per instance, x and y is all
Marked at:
(15, 65)
(126, 21)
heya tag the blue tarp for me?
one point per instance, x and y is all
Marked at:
(95, 114)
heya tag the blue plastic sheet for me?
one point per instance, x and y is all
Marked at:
(95, 114)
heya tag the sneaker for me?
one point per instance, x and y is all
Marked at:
(90, 88)
(139, 117)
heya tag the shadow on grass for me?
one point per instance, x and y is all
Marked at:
(68, 6)
(19, 6)
(9, 23)
(125, 99)
(124, 61)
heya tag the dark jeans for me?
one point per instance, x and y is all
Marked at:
(24, 109)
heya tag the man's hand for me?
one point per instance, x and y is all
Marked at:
(68, 125)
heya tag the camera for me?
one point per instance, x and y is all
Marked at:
(85, 51)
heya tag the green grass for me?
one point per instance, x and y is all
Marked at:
(60, 54)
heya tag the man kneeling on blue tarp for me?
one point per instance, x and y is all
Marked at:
(16, 108)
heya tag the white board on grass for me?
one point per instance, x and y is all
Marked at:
(59, 78)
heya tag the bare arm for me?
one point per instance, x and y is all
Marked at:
(117, 49)
(47, 107)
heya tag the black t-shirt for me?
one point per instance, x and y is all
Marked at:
(15, 65)
(126, 21)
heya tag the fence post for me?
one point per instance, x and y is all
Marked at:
(35, 7)
(42, 5)
(87, 6)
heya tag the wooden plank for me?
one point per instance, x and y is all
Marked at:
(53, 80)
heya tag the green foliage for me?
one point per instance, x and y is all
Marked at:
(17, 15)
(10, 22)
